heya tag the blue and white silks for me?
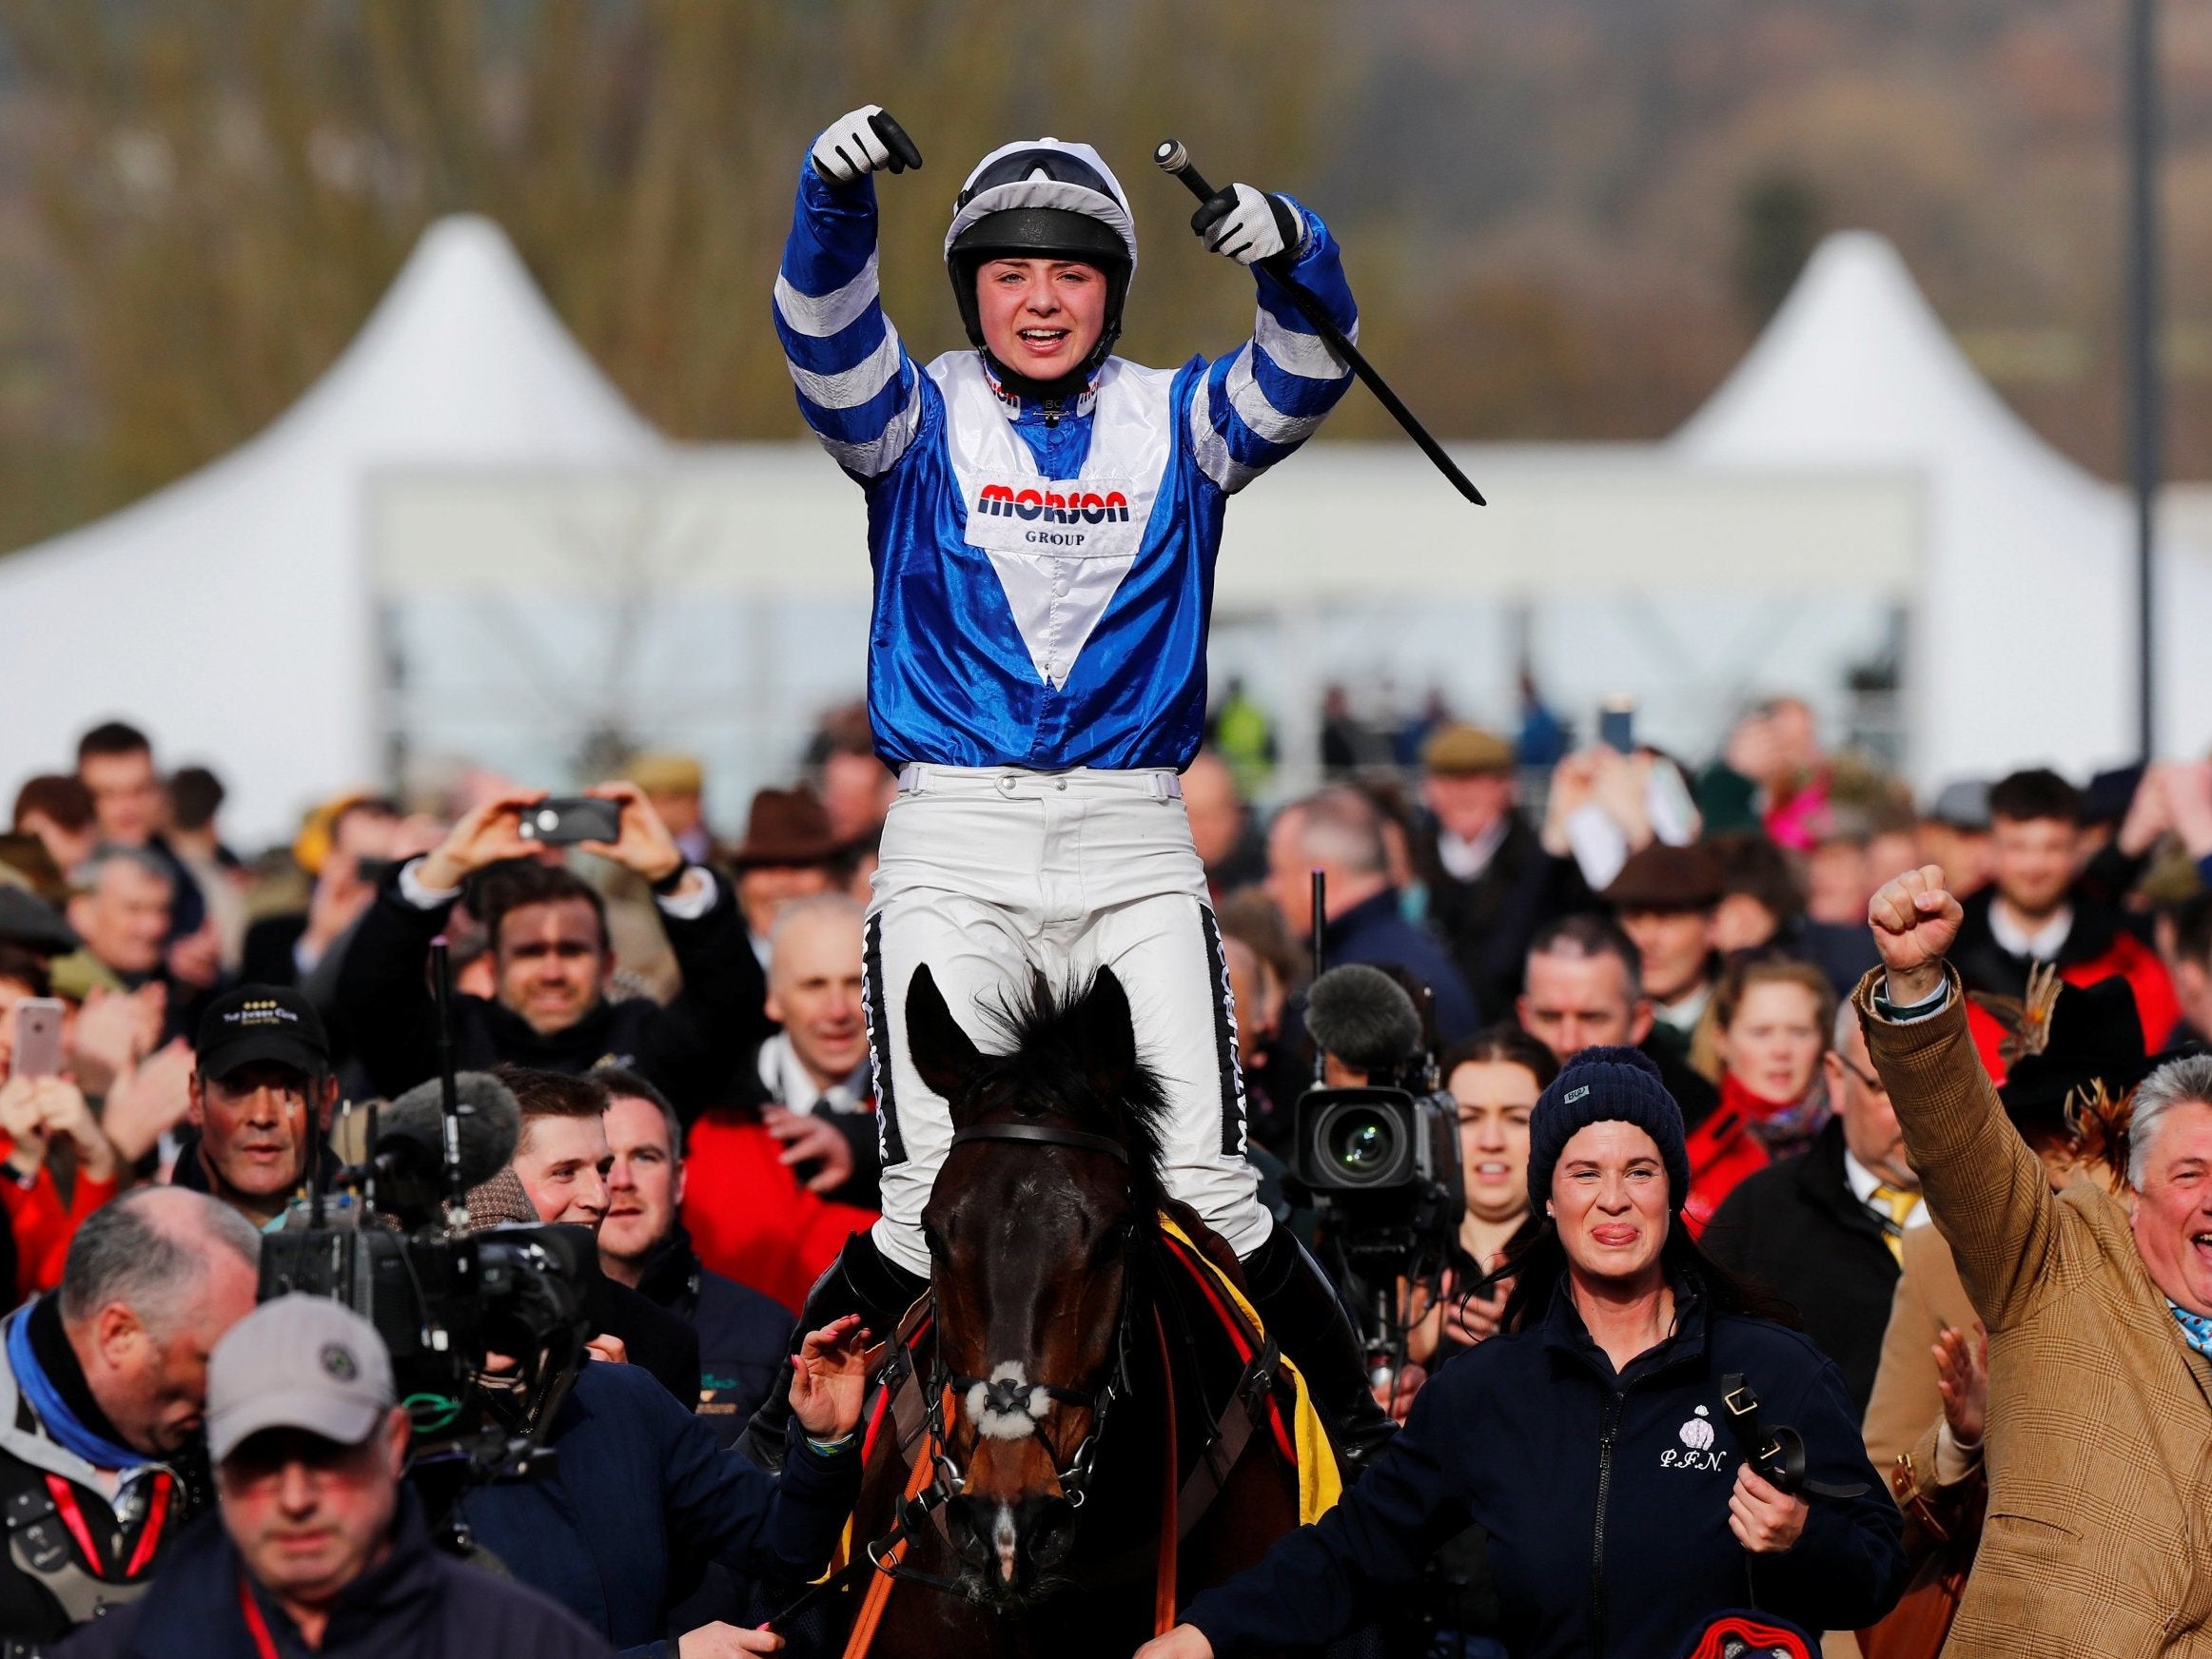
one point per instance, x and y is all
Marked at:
(1016, 624)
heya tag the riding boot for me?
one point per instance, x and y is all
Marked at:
(862, 1280)
(1300, 1310)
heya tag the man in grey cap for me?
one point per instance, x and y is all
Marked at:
(323, 1548)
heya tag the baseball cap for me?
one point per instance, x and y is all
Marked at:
(259, 1021)
(298, 1362)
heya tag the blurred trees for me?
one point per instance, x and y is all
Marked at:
(1564, 218)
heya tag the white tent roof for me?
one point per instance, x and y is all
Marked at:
(2022, 643)
(229, 613)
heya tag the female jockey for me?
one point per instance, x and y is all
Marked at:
(1043, 518)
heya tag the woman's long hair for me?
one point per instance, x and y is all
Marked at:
(1540, 1266)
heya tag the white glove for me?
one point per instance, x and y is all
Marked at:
(1247, 225)
(851, 145)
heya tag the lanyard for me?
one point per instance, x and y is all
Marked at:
(149, 1529)
(258, 1628)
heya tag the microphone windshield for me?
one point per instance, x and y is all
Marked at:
(411, 1130)
(1363, 1017)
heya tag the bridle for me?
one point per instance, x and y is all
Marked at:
(1007, 1397)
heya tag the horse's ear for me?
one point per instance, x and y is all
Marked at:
(940, 1049)
(1107, 1035)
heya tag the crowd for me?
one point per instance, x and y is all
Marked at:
(189, 1035)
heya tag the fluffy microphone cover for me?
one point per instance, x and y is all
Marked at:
(491, 1123)
(1363, 1017)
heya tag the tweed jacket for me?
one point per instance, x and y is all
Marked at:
(2099, 1539)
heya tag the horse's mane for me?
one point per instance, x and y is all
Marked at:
(1051, 1064)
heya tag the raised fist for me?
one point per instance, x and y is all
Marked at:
(1247, 225)
(863, 141)
(1914, 921)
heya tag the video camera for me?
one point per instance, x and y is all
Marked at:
(1379, 1159)
(486, 1328)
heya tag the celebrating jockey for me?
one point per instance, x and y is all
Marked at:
(1043, 518)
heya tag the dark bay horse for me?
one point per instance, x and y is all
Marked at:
(1049, 1405)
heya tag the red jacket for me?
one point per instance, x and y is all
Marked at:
(44, 1225)
(749, 1217)
(1722, 1151)
(2097, 948)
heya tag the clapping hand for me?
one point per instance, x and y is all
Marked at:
(1961, 1374)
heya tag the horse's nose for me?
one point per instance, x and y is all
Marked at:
(1048, 1532)
(1012, 1542)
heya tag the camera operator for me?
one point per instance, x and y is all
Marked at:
(102, 1388)
(559, 1175)
(552, 956)
(260, 1054)
(322, 1547)
(641, 1497)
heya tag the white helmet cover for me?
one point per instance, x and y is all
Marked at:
(982, 194)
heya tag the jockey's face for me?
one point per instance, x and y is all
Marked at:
(1040, 317)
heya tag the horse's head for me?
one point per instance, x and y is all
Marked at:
(1052, 1175)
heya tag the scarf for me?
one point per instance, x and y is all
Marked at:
(61, 1425)
(1781, 1126)
(2196, 1328)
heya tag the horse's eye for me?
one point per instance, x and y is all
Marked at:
(934, 1240)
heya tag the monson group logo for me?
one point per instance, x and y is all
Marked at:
(1052, 506)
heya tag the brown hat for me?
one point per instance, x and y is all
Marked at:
(667, 774)
(1666, 878)
(785, 826)
(1462, 750)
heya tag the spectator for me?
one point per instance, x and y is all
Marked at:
(1824, 1229)
(2091, 1041)
(857, 789)
(1487, 874)
(789, 853)
(743, 1334)
(129, 808)
(640, 1497)
(2035, 909)
(57, 809)
(1337, 833)
(1228, 842)
(1762, 901)
(2099, 1313)
(676, 785)
(1666, 897)
(121, 911)
(35, 1114)
(1770, 1027)
(196, 797)
(262, 1096)
(2192, 974)
(102, 1391)
(820, 1086)
(1955, 831)
(562, 1159)
(1494, 1081)
(323, 1546)
(552, 964)
(1585, 990)
(360, 833)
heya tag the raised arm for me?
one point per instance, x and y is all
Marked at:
(857, 388)
(1257, 405)
(1985, 1189)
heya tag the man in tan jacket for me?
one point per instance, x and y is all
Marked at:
(2099, 1539)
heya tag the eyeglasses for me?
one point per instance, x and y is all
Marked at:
(1870, 1080)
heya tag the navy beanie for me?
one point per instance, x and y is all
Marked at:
(1607, 1086)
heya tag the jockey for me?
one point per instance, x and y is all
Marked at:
(1043, 522)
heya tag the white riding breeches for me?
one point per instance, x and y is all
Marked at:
(991, 875)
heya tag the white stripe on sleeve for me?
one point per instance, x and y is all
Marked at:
(1211, 450)
(872, 459)
(855, 385)
(1262, 416)
(822, 315)
(1295, 352)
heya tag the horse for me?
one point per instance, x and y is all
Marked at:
(1027, 1507)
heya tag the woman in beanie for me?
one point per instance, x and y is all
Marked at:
(1589, 1439)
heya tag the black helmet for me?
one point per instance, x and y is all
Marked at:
(1043, 199)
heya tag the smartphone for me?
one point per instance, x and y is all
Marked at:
(564, 820)
(38, 1037)
(1616, 724)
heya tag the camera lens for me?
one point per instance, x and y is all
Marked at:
(1362, 1144)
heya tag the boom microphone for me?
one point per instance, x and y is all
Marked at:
(1363, 1017)
(408, 1162)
